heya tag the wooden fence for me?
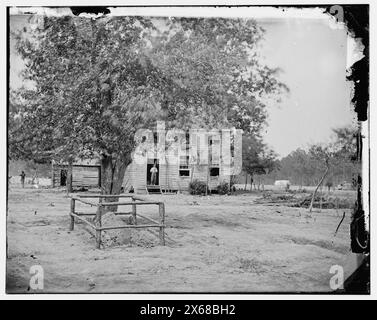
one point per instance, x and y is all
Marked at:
(100, 205)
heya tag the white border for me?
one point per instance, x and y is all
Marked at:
(172, 11)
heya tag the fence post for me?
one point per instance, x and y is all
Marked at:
(161, 211)
(134, 212)
(72, 224)
(98, 224)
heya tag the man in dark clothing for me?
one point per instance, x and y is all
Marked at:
(23, 175)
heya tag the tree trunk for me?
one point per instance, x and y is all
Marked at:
(320, 199)
(208, 170)
(231, 183)
(245, 182)
(112, 175)
(251, 182)
(167, 181)
(69, 177)
(192, 172)
(52, 175)
(315, 191)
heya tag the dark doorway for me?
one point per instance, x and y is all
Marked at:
(63, 177)
(150, 164)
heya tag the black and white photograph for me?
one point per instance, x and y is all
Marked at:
(203, 149)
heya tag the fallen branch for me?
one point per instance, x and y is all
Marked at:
(344, 214)
(316, 189)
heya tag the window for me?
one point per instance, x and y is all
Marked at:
(184, 173)
(214, 154)
(214, 171)
(184, 170)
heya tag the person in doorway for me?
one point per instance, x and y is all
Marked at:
(153, 174)
(23, 175)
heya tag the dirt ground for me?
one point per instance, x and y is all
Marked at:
(214, 244)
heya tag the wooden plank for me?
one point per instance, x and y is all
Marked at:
(72, 224)
(84, 220)
(132, 226)
(123, 195)
(161, 211)
(108, 204)
(123, 213)
(98, 222)
(147, 218)
(85, 214)
(86, 202)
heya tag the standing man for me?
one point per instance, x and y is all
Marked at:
(23, 175)
(154, 174)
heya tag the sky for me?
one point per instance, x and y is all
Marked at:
(312, 57)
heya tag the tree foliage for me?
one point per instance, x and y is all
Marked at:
(257, 158)
(215, 64)
(96, 81)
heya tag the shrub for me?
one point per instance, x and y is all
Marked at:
(223, 188)
(232, 186)
(197, 187)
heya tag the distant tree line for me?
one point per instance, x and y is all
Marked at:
(305, 167)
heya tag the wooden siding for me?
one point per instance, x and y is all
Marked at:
(169, 178)
(85, 176)
(82, 176)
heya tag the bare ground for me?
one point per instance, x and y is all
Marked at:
(214, 244)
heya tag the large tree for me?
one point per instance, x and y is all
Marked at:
(96, 81)
(91, 91)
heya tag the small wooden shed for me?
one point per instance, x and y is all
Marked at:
(85, 173)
